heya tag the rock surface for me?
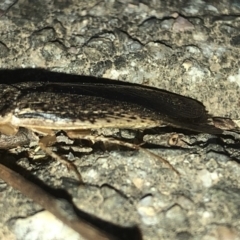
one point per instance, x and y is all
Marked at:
(191, 48)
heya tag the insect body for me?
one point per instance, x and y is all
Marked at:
(37, 101)
(50, 105)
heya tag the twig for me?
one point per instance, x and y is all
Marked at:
(57, 207)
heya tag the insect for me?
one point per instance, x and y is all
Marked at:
(42, 102)
(45, 103)
(52, 104)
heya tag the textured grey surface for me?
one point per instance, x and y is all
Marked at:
(189, 47)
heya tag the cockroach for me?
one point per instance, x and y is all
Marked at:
(35, 102)
(46, 106)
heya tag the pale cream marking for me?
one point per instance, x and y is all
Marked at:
(99, 123)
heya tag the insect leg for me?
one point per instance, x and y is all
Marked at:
(92, 138)
(45, 143)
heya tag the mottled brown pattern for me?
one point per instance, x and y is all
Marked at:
(82, 105)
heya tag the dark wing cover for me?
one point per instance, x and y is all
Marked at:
(165, 103)
(178, 110)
